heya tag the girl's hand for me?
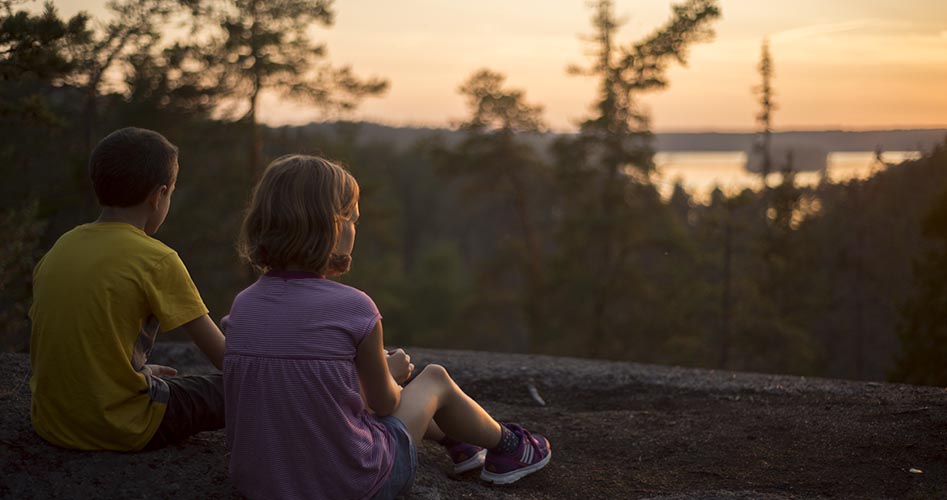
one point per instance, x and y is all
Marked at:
(400, 365)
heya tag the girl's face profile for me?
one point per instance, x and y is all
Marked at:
(341, 258)
(347, 234)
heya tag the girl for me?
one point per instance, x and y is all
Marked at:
(313, 405)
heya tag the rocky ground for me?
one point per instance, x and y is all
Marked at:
(618, 430)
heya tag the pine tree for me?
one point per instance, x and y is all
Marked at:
(764, 118)
(266, 46)
(135, 26)
(923, 327)
(35, 56)
(497, 166)
(604, 173)
(171, 85)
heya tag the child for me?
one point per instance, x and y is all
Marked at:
(305, 362)
(100, 295)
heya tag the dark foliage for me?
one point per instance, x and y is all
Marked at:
(500, 238)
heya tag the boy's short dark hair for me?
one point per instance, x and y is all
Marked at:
(129, 163)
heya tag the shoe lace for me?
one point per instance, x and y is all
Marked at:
(528, 436)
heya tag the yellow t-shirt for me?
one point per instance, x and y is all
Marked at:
(96, 295)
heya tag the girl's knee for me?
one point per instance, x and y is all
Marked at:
(435, 373)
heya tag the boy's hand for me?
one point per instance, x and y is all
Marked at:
(159, 370)
(400, 365)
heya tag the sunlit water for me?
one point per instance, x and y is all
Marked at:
(701, 171)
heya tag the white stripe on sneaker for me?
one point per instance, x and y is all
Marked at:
(515, 475)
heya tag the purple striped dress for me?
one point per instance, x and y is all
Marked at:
(297, 426)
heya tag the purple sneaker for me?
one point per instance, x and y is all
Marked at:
(532, 454)
(466, 456)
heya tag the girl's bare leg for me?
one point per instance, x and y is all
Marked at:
(434, 395)
(433, 432)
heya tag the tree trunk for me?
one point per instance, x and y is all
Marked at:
(726, 301)
(89, 117)
(858, 322)
(256, 141)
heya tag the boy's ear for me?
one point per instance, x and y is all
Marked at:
(155, 197)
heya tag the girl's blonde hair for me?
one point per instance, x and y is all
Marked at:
(296, 213)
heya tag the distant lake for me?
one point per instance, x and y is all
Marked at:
(701, 171)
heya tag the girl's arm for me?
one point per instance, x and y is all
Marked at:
(380, 390)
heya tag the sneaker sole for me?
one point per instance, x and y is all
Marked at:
(471, 463)
(513, 476)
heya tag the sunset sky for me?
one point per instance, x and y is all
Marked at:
(852, 64)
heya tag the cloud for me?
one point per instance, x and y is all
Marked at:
(824, 29)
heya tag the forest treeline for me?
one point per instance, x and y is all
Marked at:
(491, 241)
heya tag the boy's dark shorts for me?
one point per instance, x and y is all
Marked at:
(196, 405)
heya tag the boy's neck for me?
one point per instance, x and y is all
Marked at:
(133, 215)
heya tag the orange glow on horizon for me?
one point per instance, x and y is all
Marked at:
(845, 64)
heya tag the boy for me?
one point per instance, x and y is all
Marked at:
(99, 297)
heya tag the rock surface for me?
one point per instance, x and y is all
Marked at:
(618, 430)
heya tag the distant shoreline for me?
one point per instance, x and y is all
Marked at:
(829, 140)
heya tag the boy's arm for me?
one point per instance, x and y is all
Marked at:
(205, 334)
